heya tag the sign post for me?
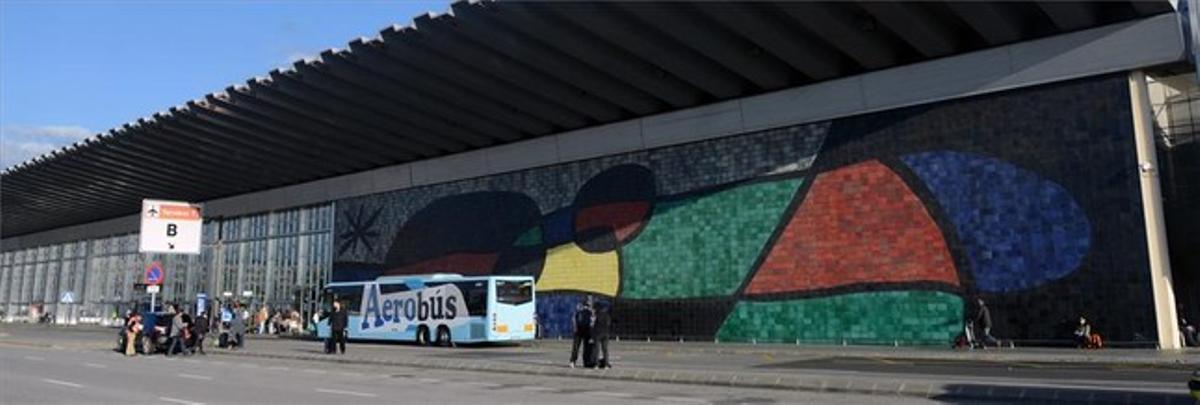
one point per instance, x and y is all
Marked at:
(170, 227)
(154, 278)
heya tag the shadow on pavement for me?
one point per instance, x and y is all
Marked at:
(993, 394)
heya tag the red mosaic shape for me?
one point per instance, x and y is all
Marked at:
(859, 224)
(622, 218)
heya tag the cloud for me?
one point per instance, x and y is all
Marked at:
(20, 143)
(71, 132)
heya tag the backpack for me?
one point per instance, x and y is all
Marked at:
(583, 319)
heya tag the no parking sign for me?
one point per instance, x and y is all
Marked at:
(154, 274)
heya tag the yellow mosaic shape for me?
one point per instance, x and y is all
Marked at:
(570, 268)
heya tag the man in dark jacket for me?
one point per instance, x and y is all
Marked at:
(199, 329)
(338, 321)
(600, 332)
(583, 320)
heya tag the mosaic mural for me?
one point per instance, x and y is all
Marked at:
(873, 229)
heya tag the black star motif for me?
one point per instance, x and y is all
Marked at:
(362, 231)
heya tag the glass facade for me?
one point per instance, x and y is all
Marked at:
(280, 259)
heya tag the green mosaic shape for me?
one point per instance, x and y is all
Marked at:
(885, 317)
(704, 246)
(532, 237)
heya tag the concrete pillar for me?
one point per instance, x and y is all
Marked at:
(1156, 230)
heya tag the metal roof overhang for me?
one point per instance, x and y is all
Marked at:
(500, 72)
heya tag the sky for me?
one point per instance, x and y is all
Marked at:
(71, 69)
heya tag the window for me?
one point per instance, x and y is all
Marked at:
(350, 296)
(474, 293)
(514, 292)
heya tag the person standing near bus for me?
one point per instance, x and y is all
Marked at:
(338, 321)
(583, 320)
(600, 332)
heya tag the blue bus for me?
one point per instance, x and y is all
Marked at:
(441, 309)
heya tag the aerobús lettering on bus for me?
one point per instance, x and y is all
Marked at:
(441, 304)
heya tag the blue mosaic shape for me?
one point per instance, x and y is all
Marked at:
(555, 313)
(1018, 229)
(558, 227)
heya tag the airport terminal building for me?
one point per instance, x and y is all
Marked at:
(846, 172)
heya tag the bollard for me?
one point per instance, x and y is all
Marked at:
(895, 343)
(754, 341)
(797, 341)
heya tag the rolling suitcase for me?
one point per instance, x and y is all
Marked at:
(589, 353)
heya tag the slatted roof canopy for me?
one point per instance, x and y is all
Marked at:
(499, 72)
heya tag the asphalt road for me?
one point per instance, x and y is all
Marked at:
(76, 365)
(30, 375)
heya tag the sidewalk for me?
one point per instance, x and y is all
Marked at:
(766, 366)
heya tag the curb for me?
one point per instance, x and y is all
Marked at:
(1186, 360)
(912, 389)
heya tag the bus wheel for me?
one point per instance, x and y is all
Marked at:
(443, 337)
(422, 335)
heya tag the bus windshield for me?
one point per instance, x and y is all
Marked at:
(514, 292)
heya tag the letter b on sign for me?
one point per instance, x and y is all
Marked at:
(172, 230)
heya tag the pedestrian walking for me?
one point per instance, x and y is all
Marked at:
(177, 334)
(983, 319)
(338, 320)
(582, 320)
(600, 333)
(199, 330)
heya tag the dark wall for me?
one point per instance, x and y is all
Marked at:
(880, 228)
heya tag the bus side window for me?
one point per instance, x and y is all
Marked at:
(350, 297)
(326, 303)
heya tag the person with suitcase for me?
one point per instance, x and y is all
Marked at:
(582, 321)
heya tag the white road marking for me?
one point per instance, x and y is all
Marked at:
(34, 358)
(94, 365)
(277, 368)
(537, 388)
(682, 399)
(180, 401)
(612, 394)
(357, 394)
(195, 377)
(69, 384)
(429, 380)
(485, 385)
